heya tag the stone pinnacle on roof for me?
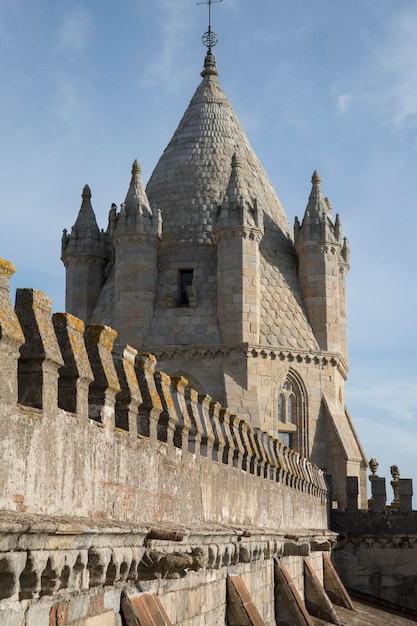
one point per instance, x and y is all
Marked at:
(315, 179)
(317, 205)
(136, 199)
(210, 68)
(235, 191)
(86, 218)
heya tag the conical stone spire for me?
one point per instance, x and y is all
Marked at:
(317, 204)
(85, 237)
(191, 177)
(188, 184)
(86, 218)
(236, 191)
(87, 244)
(136, 199)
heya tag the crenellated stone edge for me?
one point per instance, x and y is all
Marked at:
(61, 366)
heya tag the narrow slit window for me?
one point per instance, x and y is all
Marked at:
(280, 408)
(186, 280)
(290, 410)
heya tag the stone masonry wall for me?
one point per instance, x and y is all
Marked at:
(376, 553)
(108, 466)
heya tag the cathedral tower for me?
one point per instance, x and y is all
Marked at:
(202, 271)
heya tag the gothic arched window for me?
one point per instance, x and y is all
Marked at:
(291, 416)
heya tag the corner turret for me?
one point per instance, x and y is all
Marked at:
(238, 232)
(136, 231)
(323, 263)
(84, 254)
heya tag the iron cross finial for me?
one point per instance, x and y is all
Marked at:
(210, 38)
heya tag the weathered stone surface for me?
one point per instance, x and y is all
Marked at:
(241, 610)
(290, 609)
(316, 600)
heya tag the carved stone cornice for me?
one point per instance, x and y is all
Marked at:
(251, 351)
(83, 260)
(241, 232)
(379, 541)
(123, 239)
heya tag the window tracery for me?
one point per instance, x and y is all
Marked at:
(291, 414)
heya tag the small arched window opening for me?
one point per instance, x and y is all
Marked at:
(291, 415)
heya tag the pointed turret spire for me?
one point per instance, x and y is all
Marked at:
(136, 199)
(236, 191)
(322, 268)
(88, 243)
(317, 205)
(86, 219)
(238, 208)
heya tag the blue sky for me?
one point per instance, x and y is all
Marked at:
(89, 86)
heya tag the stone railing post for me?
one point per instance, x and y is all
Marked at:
(129, 397)
(102, 393)
(238, 449)
(151, 407)
(207, 437)
(405, 493)
(168, 431)
(263, 456)
(76, 375)
(253, 452)
(228, 450)
(196, 432)
(379, 494)
(184, 425)
(352, 492)
(274, 461)
(40, 356)
(270, 454)
(219, 441)
(244, 438)
(11, 338)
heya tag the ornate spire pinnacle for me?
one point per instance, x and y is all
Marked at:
(209, 65)
(209, 40)
(86, 219)
(317, 205)
(236, 190)
(136, 199)
(315, 179)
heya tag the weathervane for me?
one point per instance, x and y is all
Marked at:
(210, 38)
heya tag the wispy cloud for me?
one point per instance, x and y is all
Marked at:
(173, 25)
(343, 102)
(386, 80)
(73, 38)
(75, 31)
(391, 398)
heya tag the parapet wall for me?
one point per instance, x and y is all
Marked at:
(376, 551)
(92, 429)
(113, 473)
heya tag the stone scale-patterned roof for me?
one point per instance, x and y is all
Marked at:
(191, 179)
(187, 185)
